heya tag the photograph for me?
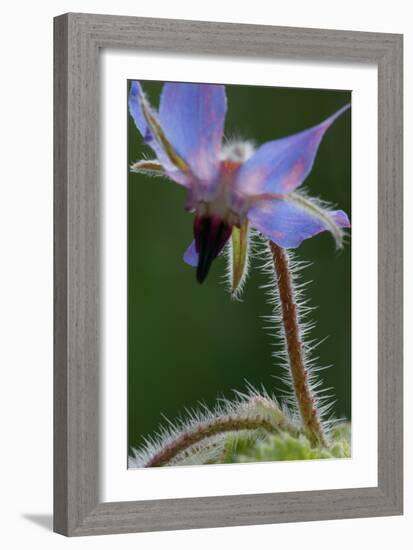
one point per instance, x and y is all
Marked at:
(203, 285)
(239, 273)
(228, 237)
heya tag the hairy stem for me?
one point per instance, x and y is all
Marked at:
(291, 325)
(205, 430)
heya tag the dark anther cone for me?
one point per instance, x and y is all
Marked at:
(211, 233)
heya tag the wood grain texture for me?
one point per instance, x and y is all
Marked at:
(60, 278)
(78, 39)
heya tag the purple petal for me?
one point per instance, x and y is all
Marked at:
(135, 108)
(282, 165)
(134, 103)
(192, 117)
(287, 224)
(340, 218)
(191, 255)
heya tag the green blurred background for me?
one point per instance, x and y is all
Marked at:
(189, 343)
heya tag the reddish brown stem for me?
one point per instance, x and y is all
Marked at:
(296, 356)
(204, 430)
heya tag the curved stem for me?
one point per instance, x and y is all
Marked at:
(205, 430)
(296, 356)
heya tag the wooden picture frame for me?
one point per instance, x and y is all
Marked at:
(78, 40)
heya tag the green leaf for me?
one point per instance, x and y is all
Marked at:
(284, 446)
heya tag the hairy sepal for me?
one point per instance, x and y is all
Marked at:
(238, 259)
(148, 167)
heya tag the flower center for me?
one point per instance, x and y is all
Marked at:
(222, 202)
(215, 217)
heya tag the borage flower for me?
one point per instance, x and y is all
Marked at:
(231, 187)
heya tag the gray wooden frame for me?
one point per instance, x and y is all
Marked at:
(78, 40)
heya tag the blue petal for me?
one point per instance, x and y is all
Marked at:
(135, 94)
(287, 224)
(135, 108)
(192, 117)
(282, 165)
(191, 255)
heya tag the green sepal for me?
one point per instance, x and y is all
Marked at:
(239, 258)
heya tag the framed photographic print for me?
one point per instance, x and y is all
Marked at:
(228, 274)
